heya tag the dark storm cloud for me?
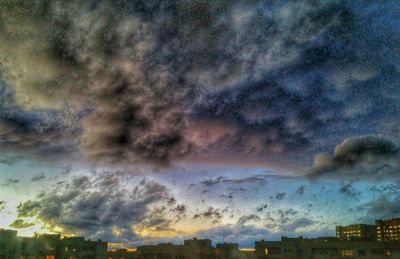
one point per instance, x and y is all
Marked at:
(96, 206)
(362, 157)
(42, 133)
(158, 80)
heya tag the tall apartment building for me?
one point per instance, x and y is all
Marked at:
(388, 229)
(356, 232)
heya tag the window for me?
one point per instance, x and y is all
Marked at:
(266, 251)
(361, 252)
(347, 252)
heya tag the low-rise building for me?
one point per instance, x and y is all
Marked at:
(49, 247)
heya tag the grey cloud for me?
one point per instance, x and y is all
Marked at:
(392, 189)
(7, 161)
(227, 196)
(300, 190)
(38, 177)
(384, 207)
(262, 207)
(211, 214)
(11, 181)
(246, 219)
(180, 209)
(94, 206)
(280, 195)
(362, 157)
(296, 224)
(349, 190)
(280, 219)
(246, 180)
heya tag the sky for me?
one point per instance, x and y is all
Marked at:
(141, 122)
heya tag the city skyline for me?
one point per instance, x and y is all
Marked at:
(142, 122)
(352, 232)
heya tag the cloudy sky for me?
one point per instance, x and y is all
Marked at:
(150, 121)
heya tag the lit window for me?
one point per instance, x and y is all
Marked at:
(347, 252)
(266, 251)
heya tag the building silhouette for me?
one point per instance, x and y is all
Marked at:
(49, 247)
(191, 249)
(324, 248)
(354, 241)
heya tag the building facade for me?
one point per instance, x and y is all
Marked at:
(356, 231)
(388, 229)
